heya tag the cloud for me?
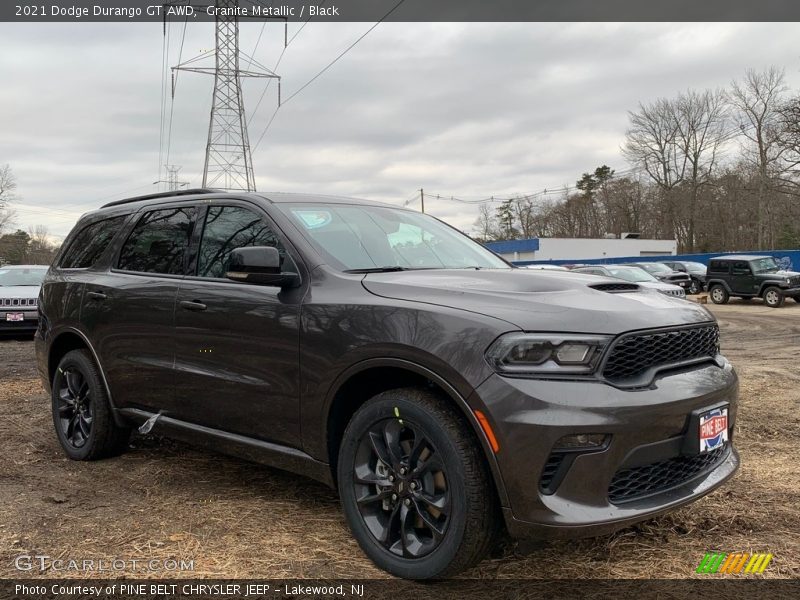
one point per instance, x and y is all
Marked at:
(470, 110)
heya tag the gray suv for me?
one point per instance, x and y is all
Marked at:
(446, 395)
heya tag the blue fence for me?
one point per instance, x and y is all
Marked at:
(787, 259)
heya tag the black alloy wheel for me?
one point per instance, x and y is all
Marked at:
(400, 486)
(75, 407)
(82, 414)
(415, 486)
(695, 287)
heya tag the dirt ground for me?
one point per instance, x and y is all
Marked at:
(164, 500)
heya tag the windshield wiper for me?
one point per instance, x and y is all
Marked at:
(379, 269)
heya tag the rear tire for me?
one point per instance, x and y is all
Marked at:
(427, 509)
(718, 294)
(773, 297)
(81, 411)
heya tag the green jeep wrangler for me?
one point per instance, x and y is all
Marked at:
(746, 277)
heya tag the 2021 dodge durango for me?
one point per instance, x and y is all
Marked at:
(445, 394)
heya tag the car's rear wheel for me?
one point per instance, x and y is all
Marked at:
(81, 411)
(719, 295)
(415, 487)
(773, 297)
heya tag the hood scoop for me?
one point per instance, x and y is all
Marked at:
(616, 288)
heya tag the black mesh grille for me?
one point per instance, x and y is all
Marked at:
(615, 287)
(638, 482)
(634, 354)
(549, 472)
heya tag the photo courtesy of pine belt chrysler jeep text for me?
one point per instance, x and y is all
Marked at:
(448, 396)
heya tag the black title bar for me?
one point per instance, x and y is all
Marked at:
(407, 10)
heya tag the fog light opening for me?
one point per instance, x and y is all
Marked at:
(582, 441)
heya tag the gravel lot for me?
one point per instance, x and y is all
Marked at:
(165, 500)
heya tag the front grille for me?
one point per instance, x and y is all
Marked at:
(640, 482)
(615, 287)
(17, 302)
(794, 280)
(634, 354)
(676, 293)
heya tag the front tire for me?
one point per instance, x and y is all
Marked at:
(718, 294)
(81, 412)
(415, 487)
(695, 287)
(773, 297)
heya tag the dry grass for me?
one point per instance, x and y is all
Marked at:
(165, 500)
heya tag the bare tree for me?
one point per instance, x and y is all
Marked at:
(8, 184)
(757, 99)
(702, 128)
(41, 249)
(486, 227)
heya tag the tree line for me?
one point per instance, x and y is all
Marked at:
(16, 245)
(717, 170)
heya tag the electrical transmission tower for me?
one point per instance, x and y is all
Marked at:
(228, 162)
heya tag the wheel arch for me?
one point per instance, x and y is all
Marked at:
(73, 339)
(766, 285)
(365, 379)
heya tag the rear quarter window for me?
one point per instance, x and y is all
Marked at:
(89, 244)
(717, 267)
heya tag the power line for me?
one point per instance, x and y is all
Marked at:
(324, 69)
(277, 64)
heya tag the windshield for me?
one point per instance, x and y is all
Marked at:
(655, 268)
(361, 237)
(31, 276)
(764, 265)
(634, 274)
(695, 267)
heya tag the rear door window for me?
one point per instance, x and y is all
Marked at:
(90, 243)
(159, 242)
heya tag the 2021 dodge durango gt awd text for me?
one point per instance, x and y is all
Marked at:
(447, 395)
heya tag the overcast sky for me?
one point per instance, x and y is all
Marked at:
(470, 110)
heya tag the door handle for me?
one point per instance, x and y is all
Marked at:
(195, 305)
(96, 295)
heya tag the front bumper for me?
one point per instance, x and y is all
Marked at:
(29, 323)
(644, 427)
(791, 292)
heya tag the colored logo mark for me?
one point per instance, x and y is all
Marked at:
(739, 562)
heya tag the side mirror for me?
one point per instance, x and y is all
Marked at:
(260, 265)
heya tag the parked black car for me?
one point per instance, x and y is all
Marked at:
(748, 276)
(444, 393)
(695, 270)
(664, 273)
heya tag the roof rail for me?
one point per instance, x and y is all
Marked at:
(163, 195)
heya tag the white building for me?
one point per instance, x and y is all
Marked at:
(577, 249)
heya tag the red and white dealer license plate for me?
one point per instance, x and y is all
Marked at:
(15, 317)
(713, 429)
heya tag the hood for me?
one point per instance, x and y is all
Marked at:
(659, 285)
(540, 300)
(19, 291)
(786, 273)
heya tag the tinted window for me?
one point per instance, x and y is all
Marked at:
(227, 228)
(718, 267)
(90, 243)
(159, 242)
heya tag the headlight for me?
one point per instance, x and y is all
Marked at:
(547, 354)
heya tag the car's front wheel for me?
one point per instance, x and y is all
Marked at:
(695, 287)
(81, 411)
(415, 488)
(773, 297)
(719, 295)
